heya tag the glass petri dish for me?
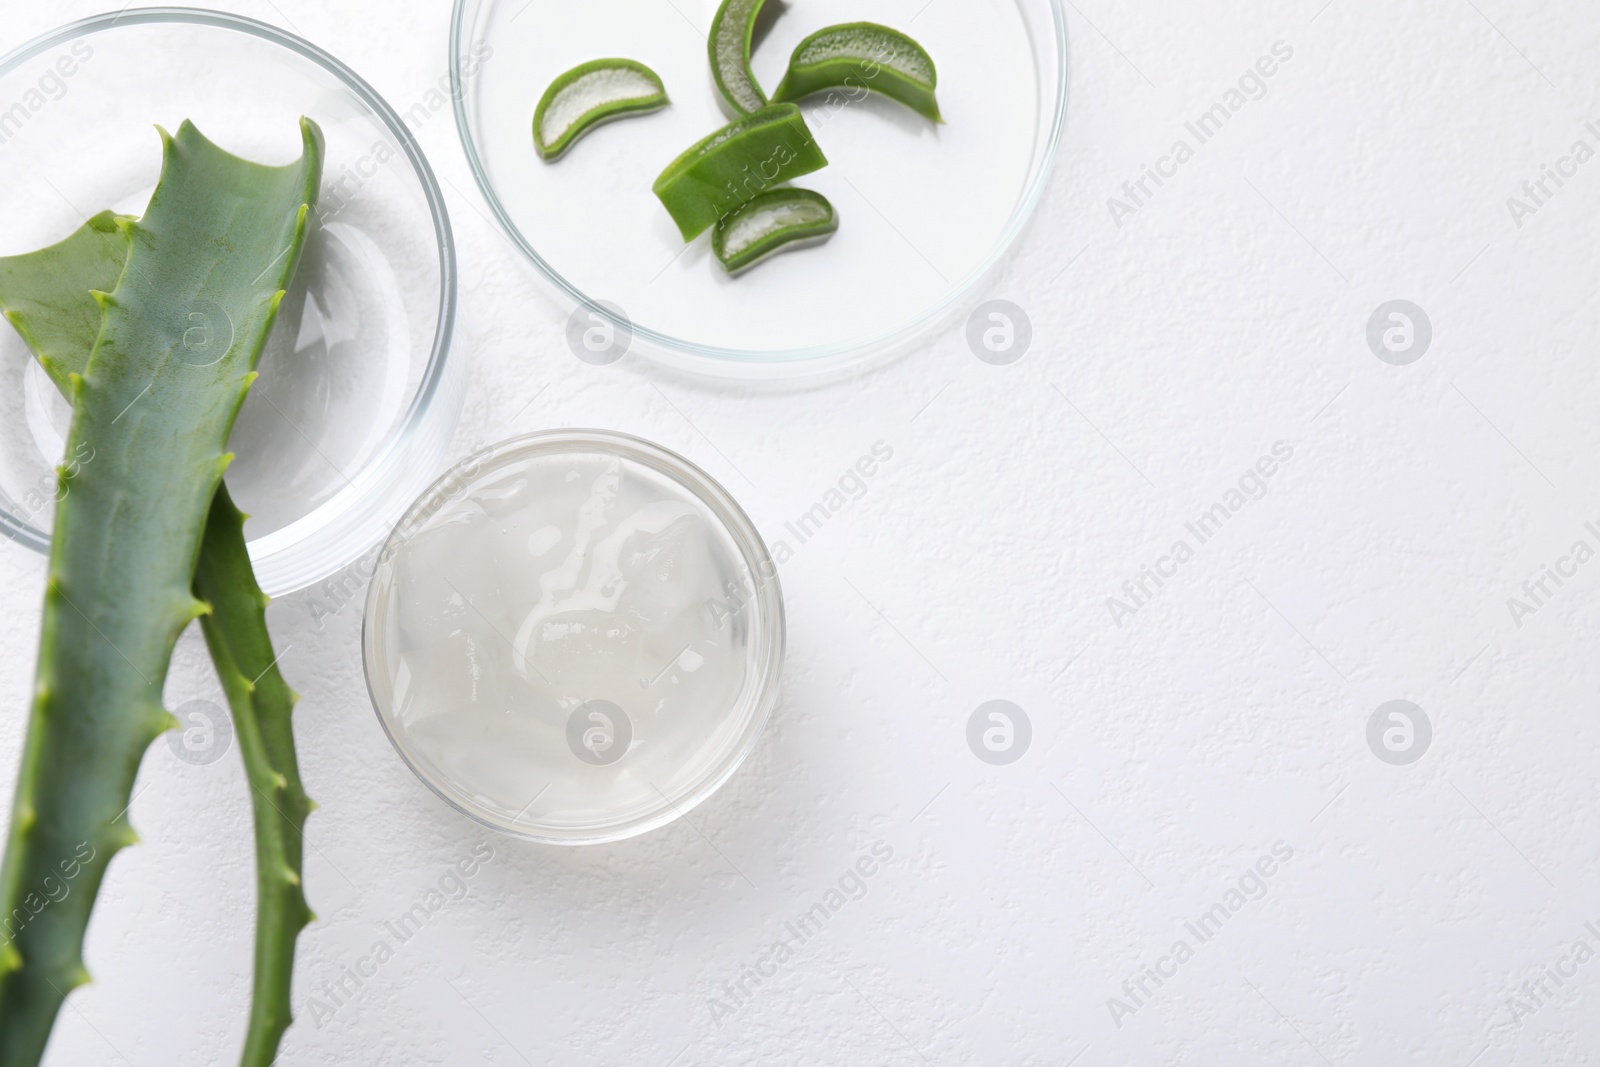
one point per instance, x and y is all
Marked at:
(926, 212)
(574, 637)
(357, 400)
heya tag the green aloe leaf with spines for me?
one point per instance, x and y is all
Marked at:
(46, 296)
(262, 704)
(154, 406)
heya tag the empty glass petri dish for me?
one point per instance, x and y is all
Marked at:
(357, 399)
(574, 636)
(925, 211)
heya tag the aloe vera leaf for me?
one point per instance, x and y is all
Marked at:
(241, 649)
(776, 221)
(734, 165)
(590, 95)
(46, 296)
(728, 47)
(220, 240)
(867, 56)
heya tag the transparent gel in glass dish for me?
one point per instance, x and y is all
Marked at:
(574, 636)
(357, 399)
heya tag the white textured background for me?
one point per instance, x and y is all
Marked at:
(1168, 754)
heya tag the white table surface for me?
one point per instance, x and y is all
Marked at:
(1227, 715)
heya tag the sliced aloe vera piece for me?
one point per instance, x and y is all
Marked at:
(735, 165)
(729, 47)
(777, 221)
(863, 55)
(589, 95)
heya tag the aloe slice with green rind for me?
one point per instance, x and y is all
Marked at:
(728, 48)
(154, 407)
(47, 296)
(735, 165)
(589, 95)
(777, 221)
(863, 55)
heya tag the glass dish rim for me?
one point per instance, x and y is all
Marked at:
(767, 602)
(360, 490)
(732, 362)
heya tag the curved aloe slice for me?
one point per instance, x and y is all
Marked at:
(863, 55)
(736, 164)
(773, 222)
(597, 92)
(46, 296)
(220, 240)
(732, 28)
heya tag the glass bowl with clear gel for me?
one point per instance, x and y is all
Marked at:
(926, 212)
(358, 398)
(574, 636)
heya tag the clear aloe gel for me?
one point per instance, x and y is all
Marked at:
(574, 637)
